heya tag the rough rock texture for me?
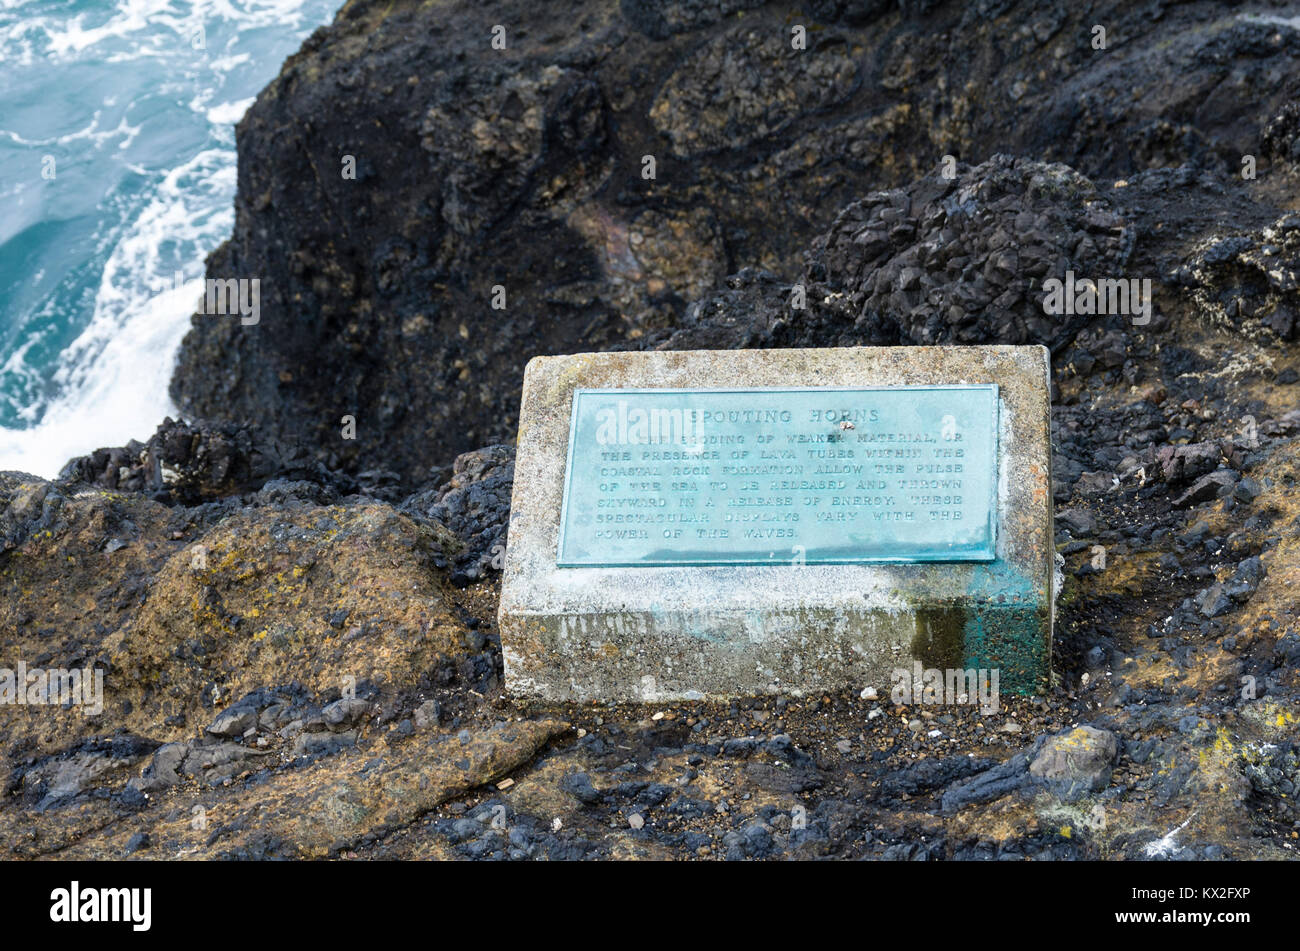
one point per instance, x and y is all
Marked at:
(288, 670)
(522, 169)
(964, 259)
(942, 260)
(188, 462)
(475, 505)
(308, 686)
(1249, 281)
(1076, 763)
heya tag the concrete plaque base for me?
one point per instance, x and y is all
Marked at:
(612, 628)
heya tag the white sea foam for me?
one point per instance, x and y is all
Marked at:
(110, 384)
(59, 37)
(92, 133)
(112, 381)
(123, 397)
(229, 113)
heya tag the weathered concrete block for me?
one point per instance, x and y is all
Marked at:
(746, 522)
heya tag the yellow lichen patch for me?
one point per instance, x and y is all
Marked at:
(1278, 594)
(628, 849)
(185, 619)
(1149, 670)
(1003, 820)
(1218, 784)
(66, 609)
(1125, 574)
(256, 621)
(540, 792)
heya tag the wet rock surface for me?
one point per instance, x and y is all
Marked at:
(299, 648)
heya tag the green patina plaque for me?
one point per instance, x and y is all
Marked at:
(780, 475)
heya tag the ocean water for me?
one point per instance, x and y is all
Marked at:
(117, 177)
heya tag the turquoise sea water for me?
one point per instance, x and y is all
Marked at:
(117, 173)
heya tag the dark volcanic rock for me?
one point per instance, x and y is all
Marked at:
(1249, 282)
(289, 670)
(1206, 488)
(959, 260)
(188, 462)
(1281, 137)
(475, 506)
(963, 260)
(520, 177)
(1076, 763)
(1182, 464)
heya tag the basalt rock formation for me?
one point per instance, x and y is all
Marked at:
(296, 630)
(401, 175)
